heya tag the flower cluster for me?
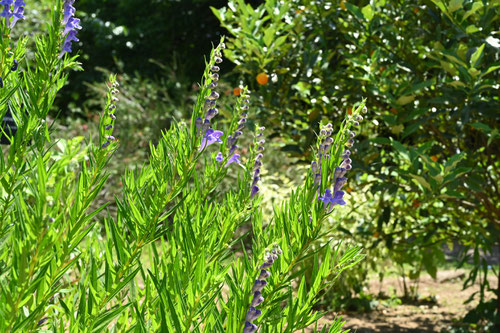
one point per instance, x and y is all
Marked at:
(110, 112)
(233, 139)
(72, 24)
(335, 197)
(17, 13)
(258, 161)
(253, 313)
(211, 136)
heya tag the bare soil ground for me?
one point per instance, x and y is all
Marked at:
(422, 317)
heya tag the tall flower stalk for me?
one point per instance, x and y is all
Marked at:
(71, 26)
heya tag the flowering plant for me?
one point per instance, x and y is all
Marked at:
(173, 254)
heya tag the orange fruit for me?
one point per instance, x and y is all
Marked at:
(434, 158)
(348, 190)
(349, 110)
(237, 91)
(262, 79)
(376, 234)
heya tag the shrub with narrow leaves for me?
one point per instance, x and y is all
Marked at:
(181, 253)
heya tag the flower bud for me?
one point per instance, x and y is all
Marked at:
(264, 274)
(218, 60)
(259, 285)
(109, 127)
(359, 118)
(112, 116)
(215, 69)
(212, 113)
(213, 85)
(215, 77)
(253, 314)
(14, 66)
(213, 96)
(257, 298)
(198, 123)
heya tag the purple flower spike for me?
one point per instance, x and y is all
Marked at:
(257, 298)
(234, 158)
(72, 24)
(253, 314)
(255, 190)
(69, 11)
(210, 137)
(249, 327)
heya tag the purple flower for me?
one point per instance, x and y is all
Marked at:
(72, 24)
(234, 158)
(339, 172)
(264, 274)
(211, 136)
(339, 183)
(253, 314)
(219, 157)
(233, 149)
(6, 9)
(259, 285)
(17, 12)
(212, 113)
(69, 11)
(331, 201)
(255, 190)
(213, 95)
(257, 298)
(69, 39)
(198, 123)
(249, 327)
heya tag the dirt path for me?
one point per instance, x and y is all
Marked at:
(418, 318)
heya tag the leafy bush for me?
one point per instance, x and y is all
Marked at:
(430, 72)
(170, 259)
